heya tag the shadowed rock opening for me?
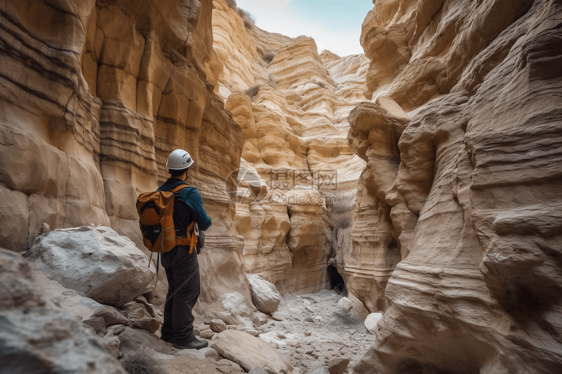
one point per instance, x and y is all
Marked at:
(335, 280)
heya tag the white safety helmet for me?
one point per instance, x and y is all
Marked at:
(179, 160)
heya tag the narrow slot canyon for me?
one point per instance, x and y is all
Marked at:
(392, 211)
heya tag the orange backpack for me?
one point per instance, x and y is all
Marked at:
(156, 212)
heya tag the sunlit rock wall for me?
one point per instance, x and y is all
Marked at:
(300, 179)
(459, 205)
(94, 96)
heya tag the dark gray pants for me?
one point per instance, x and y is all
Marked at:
(182, 271)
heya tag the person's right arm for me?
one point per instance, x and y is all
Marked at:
(195, 201)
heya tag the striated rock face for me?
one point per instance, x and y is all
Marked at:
(292, 104)
(463, 189)
(94, 96)
(376, 128)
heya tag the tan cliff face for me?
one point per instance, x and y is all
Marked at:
(458, 204)
(95, 96)
(427, 171)
(292, 104)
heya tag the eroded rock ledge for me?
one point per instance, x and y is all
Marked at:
(464, 192)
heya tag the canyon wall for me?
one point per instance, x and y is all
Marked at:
(458, 222)
(94, 96)
(298, 176)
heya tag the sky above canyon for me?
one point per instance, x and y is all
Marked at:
(334, 24)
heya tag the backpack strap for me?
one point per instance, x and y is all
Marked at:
(180, 187)
(190, 239)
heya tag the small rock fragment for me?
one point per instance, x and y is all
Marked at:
(112, 345)
(307, 333)
(97, 324)
(338, 365)
(217, 325)
(320, 370)
(210, 353)
(252, 332)
(111, 316)
(206, 334)
(115, 330)
(276, 317)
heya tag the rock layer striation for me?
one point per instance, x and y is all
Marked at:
(459, 199)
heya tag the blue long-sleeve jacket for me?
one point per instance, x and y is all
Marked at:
(188, 207)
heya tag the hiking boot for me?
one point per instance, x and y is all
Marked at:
(165, 339)
(194, 344)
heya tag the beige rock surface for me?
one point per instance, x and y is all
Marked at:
(94, 261)
(249, 351)
(468, 190)
(93, 97)
(36, 336)
(292, 104)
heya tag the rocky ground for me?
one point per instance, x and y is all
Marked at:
(314, 330)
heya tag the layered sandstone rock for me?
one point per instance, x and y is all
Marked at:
(466, 186)
(292, 104)
(94, 96)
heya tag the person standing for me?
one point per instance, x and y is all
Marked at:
(181, 266)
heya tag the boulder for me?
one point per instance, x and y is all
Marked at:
(371, 322)
(68, 300)
(345, 304)
(249, 351)
(94, 261)
(35, 337)
(264, 294)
